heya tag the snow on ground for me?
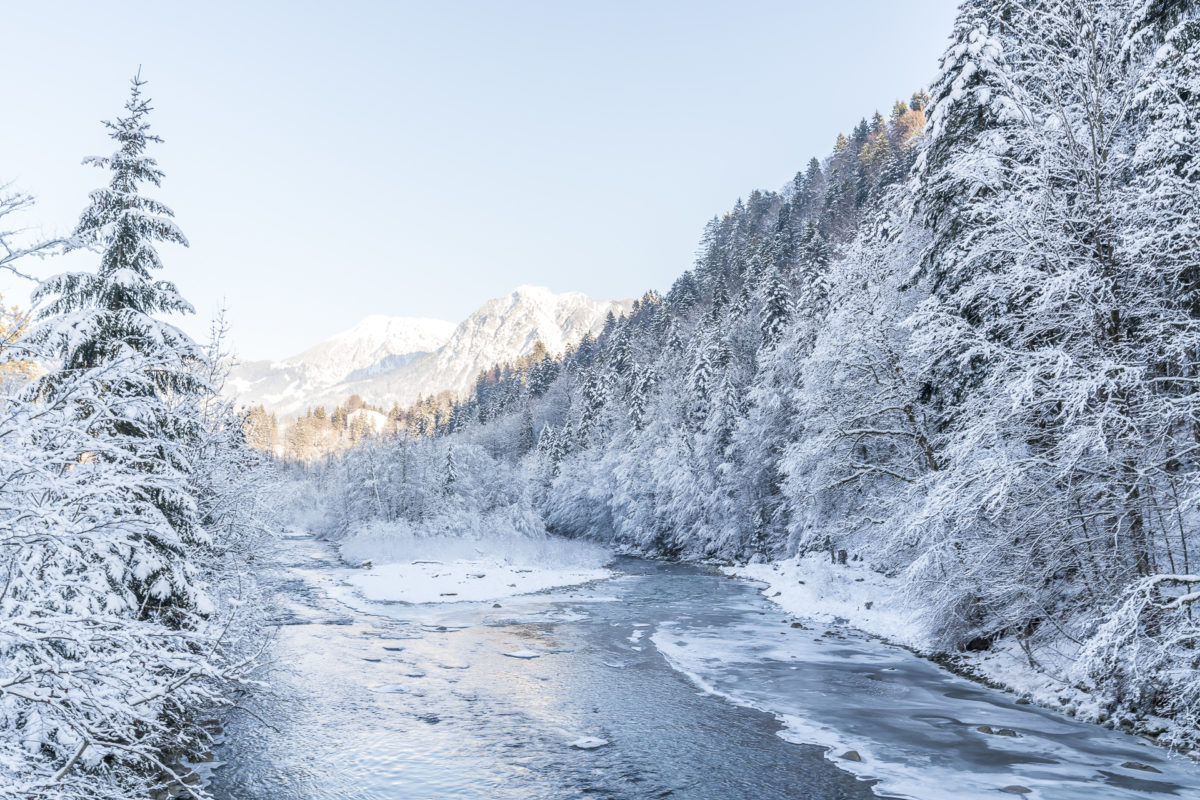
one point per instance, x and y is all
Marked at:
(449, 569)
(463, 580)
(814, 587)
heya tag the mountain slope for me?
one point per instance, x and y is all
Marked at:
(371, 343)
(376, 344)
(390, 360)
(505, 328)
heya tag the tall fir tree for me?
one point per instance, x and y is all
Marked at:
(966, 140)
(777, 308)
(103, 327)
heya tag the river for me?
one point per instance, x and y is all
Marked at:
(696, 685)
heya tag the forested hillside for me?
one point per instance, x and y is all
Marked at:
(963, 347)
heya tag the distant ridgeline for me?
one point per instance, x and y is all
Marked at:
(320, 432)
(964, 347)
(328, 397)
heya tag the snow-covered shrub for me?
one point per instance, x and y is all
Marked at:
(97, 687)
(1146, 652)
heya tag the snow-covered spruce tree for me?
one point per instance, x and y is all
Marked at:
(965, 138)
(641, 383)
(109, 642)
(814, 258)
(104, 319)
(777, 307)
(449, 472)
(593, 397)
(94, 691)
(959, 166)
(704, 350)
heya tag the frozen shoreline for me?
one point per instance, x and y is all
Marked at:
(853, 594)
(463, 580)
(402, 568)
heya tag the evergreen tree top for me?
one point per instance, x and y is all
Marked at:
(122, 202)
(92, 317)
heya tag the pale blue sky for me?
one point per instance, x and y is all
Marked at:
(333, 160)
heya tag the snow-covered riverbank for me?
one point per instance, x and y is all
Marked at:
(815, 588)
(401, 567)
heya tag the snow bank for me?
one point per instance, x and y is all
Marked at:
(815, 588)
(411, 568)
(464, 581)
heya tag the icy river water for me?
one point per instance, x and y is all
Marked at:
(698, 687)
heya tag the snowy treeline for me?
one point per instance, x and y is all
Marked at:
(430, 486)
(964, 347)
(129, 505)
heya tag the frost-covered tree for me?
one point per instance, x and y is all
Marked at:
(593, 396)
(92, 690)
(127, 515)
(1138, 651)
(1071, 339)
(641, 383)
(815, 257)
(868, 441)
(966, 141)
(777, 307)
(449, 472)
(105, 323)
(525, 440)
(702, 375)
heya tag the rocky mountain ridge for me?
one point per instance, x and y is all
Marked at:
(388, 360)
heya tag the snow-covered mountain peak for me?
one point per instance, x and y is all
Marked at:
(545, 296)
(373, 340)
(399, 334)
(389, 360)
(507, 327)
(535, 292)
